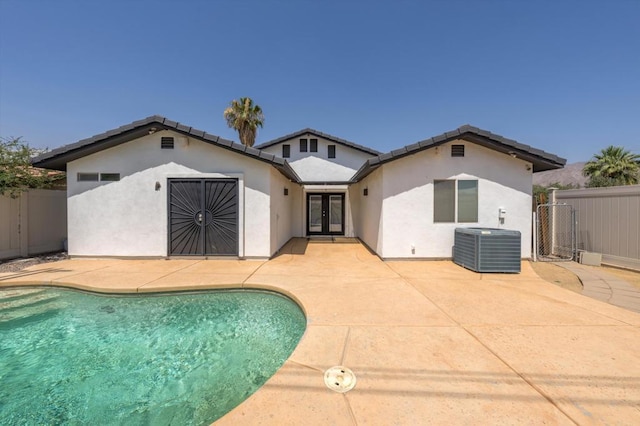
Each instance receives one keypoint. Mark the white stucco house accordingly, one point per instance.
(158, 188)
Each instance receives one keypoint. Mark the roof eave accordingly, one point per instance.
(539, 159)
(57, 159)
(367, 168)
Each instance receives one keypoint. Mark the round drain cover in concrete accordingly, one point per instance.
(339, 379)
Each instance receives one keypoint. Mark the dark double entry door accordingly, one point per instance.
(325, 214)
(203, 217)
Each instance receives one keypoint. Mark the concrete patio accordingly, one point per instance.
(429, 342)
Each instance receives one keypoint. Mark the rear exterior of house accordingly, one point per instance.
(157, 188)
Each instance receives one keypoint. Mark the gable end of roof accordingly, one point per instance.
(540, 159)
(309, 131)
(58, 158)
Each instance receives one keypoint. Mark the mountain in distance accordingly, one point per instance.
(570, 174)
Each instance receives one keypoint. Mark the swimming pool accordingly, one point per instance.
(81, 358)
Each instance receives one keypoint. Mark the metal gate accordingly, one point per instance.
(203, 217)
(556, 232)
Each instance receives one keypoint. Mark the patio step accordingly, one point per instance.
(18, 293)
(16, 301)
(18, 306)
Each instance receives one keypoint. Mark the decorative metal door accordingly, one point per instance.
(203, 217)
(325, 214)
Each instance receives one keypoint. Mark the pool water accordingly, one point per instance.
(70, 357)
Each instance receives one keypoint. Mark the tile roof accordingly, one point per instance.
(541, 160)
(58, 158)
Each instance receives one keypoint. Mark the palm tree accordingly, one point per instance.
(613, 165)
(245, 117)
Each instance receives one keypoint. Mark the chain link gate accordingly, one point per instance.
(556, 232)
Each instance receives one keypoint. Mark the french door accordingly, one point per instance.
(325, 214)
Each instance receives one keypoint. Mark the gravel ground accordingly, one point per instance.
(16, 265)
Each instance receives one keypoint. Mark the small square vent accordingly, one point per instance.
(457, 150)
(166, 142)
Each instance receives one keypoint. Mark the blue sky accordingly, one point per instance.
(563, 76)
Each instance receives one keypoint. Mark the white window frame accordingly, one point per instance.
(456, 200)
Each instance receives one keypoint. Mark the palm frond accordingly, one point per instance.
(245, 117)
(614, 164)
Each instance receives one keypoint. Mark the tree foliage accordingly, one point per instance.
(613, 166)
(602, 182)
(541, 193)
(16, 172)
(245, 117)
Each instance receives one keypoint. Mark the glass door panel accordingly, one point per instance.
(335, 213)
(315, 213)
